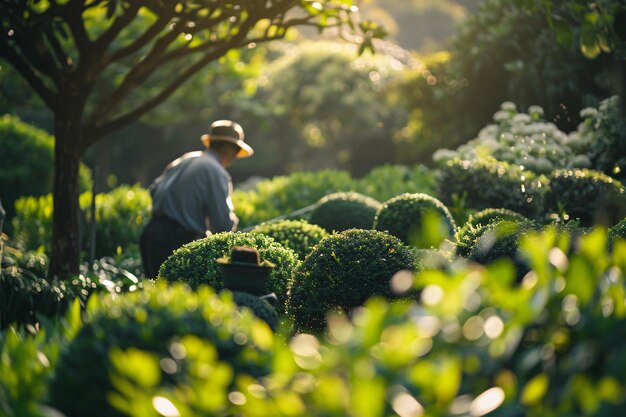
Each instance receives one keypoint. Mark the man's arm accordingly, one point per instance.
(220, 208)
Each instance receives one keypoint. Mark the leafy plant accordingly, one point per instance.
(408, 216)
(121, 215)
(259, 307)
(500, 240)
(298, 235)
(343, 271)
(153, 320)
(590, 196)
(347, 210)
(487, 183)
(195, 263)
(466, 235)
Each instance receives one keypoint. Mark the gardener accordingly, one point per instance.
(192, 197)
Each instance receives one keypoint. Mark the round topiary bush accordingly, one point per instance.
(501, 240)
(195, 263)
(261, 308)
(495, 214)
(297, 235)
(466, 235)
(404, 217)
(153, 320)
(584, 194)
(347, 210)
(343, 271)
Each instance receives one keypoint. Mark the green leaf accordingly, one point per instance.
(535, 390)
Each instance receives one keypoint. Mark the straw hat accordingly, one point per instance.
(228, 131)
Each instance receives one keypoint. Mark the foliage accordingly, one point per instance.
(522, 139)
(281, 195)
(121, 215)
(588, 195)
(297, 235)
(27, 296)
(260, 308)
(345, 210)
(594, 27)
(410, 217)
(387, 181)
(500, 53)
(617, 231)
(155, 321)
(493, 347)
(26, 162)
(486, 183)
(550, 346)
(500, 240)
(601, 135)
(342, 272)
(468, 233)
(330, 109)
(195, 263)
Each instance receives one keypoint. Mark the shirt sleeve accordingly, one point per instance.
(221, 212)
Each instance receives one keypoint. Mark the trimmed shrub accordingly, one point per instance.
(154, 320)
(347, 210)
(297, 235)
(195, 263)
(261, 308)
(588, 195)
(417, 219)
(282, 195)
(486, 183)
(500, 240)
(495, 214)
(343, 271)
(467, 234)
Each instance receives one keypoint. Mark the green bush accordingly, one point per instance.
(591, 196)
(387, 181)
(261, 308)
(602, 136)
(282, 195)
(121, 215)
(27, 162)
(343, 271)
(195, 263)
(417, 219)
(466, 235)
(618, 231)
(297, 235)
(486, 183)
(153, 320)
(501, 240)
(342, 211)
(494, 214)
(27, 296)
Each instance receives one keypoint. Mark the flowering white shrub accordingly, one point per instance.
(523, 139)
(601, 136)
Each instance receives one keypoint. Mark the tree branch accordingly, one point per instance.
(30, 75)
(103, 42)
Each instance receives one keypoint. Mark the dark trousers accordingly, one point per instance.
(159, 239)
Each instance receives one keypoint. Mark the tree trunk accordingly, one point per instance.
(65, 257)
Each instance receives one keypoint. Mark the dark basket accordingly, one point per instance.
(245, 278)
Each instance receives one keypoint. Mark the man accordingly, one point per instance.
(192, 197)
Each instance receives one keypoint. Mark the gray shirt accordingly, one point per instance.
(195, 190)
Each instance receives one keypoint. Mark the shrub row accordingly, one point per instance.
(551, 346)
